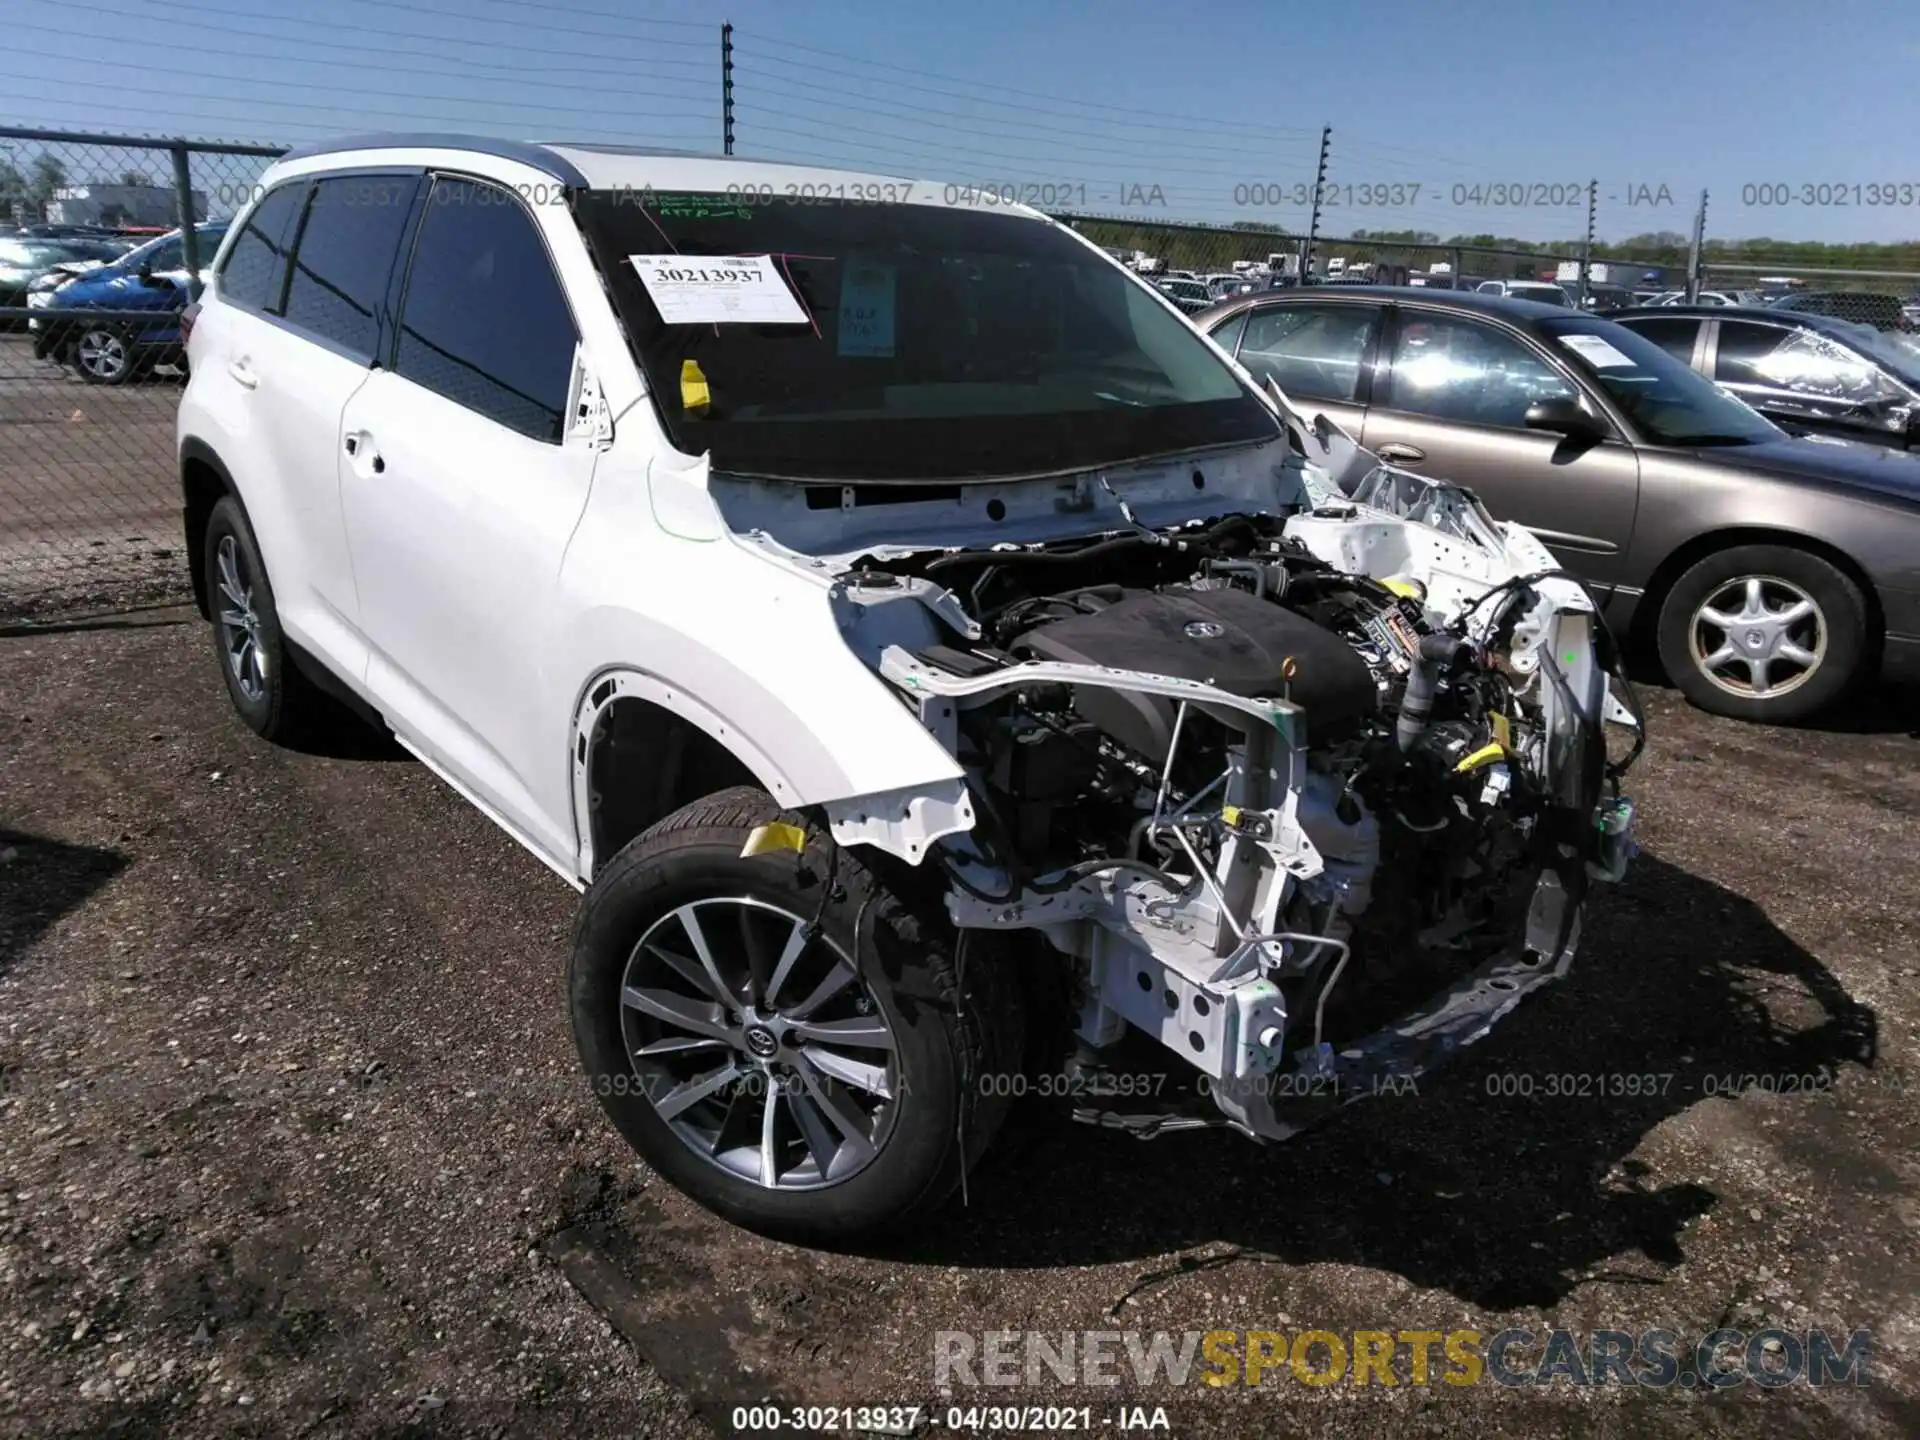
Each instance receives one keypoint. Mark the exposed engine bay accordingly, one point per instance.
(1310, 797)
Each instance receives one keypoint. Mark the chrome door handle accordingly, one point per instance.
(243, 374)
(1404, 454)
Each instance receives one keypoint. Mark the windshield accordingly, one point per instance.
(928, 342)
(1668, 403)
(166, 252)
(1543, 293)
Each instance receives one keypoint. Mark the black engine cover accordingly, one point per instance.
(1227, 638)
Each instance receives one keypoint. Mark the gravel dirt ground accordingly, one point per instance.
(291, 1139)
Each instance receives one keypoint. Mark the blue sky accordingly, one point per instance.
(1218, 104)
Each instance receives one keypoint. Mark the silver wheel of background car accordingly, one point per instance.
(753, 1036)
(1758, 636)
(239, 622)
(103, 355)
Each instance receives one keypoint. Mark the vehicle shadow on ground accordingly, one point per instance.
(40, 881)
(339, 733)
(1502, 1198)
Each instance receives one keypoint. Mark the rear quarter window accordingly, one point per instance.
(254, 273)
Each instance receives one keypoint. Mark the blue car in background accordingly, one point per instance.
(153, 277)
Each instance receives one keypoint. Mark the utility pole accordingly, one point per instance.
(1586, 250)
(1696, 253)
(1313, 225)
(726, 88)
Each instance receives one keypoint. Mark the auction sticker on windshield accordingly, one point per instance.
(1596, 351)
(718, 290)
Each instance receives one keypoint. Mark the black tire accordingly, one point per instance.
(1836, 634)
(956, 1027)
(274, 699)
(103, 355)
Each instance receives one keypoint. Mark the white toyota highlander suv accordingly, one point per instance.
(946, 673)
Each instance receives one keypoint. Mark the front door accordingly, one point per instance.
(1450, 405)
(462, 487)
(1318, 354)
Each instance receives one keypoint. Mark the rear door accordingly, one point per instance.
(1320, 354)
(1811, 381)
(302, 294)
(462, 485)
(1681, 336)
(1449, 403)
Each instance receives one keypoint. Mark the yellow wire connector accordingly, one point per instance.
(771, 839)
(695, 397)
(1485, 755)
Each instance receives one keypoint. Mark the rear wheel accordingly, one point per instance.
(268, 693)
(1764, 632)
(808, 1080)
(103, 356)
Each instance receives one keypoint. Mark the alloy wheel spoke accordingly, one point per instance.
(868, 1032)
(1796, 653)
(1799, 610)
(696, 1016)
(861, 1074)
(789, 957)
(1719, 619)
(694, 973)
(690, 922)
(691, 1092)
(845, 1116)
(836, 979)
(769, 1160)
(1760, 669)
(1756, 598)
(1724, 655)
(678, 1044)
(813, 1130)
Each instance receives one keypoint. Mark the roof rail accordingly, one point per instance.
(537, 156)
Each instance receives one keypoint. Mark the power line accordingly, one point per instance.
(601, 110)
(944, 120)
(332, 29)
(546, 25)
(176, 97)
(545, 11)
(1211, 147)
(1136, 159)
(1126, 112)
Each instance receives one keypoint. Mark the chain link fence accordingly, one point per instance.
(97, 261)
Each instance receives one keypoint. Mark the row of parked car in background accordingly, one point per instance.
(68, 274)
(1731, 478)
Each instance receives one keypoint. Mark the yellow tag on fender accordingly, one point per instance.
(694, 394)
(769, 839)
(1502, 732)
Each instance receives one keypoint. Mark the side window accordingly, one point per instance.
(1227, 336)
(1312, 351)
(1802, 363)
(344, 257)
(1675, 336)
(254, 273)
(485, 322)
(1464, 371)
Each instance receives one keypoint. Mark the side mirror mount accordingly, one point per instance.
(1563, 416)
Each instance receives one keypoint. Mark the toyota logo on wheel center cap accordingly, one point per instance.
(761, 1041)
(1205, 630)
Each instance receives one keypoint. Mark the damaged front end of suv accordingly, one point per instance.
(1311, 796)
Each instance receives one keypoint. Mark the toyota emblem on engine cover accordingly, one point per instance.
(1205, 630)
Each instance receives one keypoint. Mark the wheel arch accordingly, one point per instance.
(640, 749)
(1666, 574)
(204, 482)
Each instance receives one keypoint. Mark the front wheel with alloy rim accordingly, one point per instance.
(267, 692)
(787, 1038)
(1764, 632)
(103, 356)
